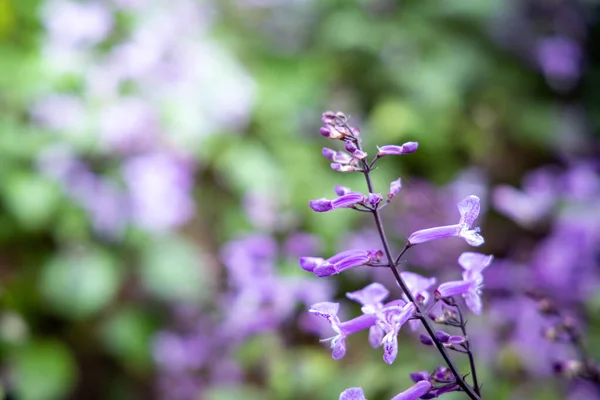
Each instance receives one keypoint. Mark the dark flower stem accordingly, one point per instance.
(463, 328)
(421, 315)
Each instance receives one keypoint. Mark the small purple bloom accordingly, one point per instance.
(329, 311)
(406, 148)
(328, 153)
(341, 190)
(469, 210)
(373, 199)
(414, 392)
(355, 393)
(395, 187)
(419, 287)
(470, 286)
(394, 318)
(426, 340)
(447, 339)
(339, 262)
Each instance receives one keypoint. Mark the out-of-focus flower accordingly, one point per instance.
(469, 211)
(160, 190)
(533, 203)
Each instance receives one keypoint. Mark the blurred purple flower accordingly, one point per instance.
(74, 24)
(160, 191)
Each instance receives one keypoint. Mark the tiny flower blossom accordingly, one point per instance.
(419, 287)
(341, 190)
(395, 317)
(470, 286)
(329, 311)
(347, 200)
(343, 167)
(371, 298)
(414, 392)
(395, 187)
(340, 262)
(406, 148)
(469, 210)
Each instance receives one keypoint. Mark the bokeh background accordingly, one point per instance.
(157, 158)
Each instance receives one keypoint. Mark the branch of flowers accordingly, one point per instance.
(392, 265)
(463, 328)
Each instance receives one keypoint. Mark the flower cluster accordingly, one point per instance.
(382, 317)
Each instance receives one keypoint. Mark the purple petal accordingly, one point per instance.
(348, 200)
(325, 310)
(310, 263)
(342, 190)
(455, 288)
(469, 210)
(414, 392)
(476, 262)
(472, 236)
(440, 232)
(374, 199)
(325, 269)
(390, 348)
(473, 301)
(374, 293)
(321, 205)
(338, 347)
(406, 148)
(375, 336)
(352, 394)
(395, 187)
(328, 153)
(420, 376)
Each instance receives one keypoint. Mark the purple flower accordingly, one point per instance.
(371, 298)
(347, 200)
(469, 210)
(329, 311)
(340, 262)
(470, 286)
(341, 190)
(160, 187)
(394, 318)
(355, 393)
(418, 286)
(395, 187)
(414, 392)
(406, 148)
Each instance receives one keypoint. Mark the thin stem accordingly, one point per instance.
(463, 328)
(392, 265)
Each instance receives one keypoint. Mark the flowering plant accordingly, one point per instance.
(385, 319)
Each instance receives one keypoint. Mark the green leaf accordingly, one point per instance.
(80, 284)
(173, 270)
(43, 370)
(127, 334)
(31, 198)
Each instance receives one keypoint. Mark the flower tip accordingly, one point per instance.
(410, 147)
(321, 205)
